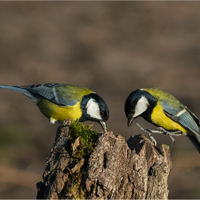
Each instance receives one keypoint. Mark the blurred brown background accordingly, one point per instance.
(112, 48)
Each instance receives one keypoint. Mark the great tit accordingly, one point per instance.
(65, 101)
(165, 111)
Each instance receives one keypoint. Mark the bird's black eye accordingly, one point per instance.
(132, 112)
(103, 113)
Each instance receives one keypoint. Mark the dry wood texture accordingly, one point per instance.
(116, 169)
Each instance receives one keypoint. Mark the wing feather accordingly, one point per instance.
(52, 93)
(185, 118)
(194, 116)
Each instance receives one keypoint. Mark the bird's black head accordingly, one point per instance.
(137, 103)
(94, 108)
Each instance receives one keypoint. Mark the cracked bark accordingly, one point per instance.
(116, 169)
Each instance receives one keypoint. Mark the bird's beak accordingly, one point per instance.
(130, 120)
(103, 124)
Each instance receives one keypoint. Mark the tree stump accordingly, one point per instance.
(116, 169)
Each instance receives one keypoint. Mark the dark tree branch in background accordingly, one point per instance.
(116, 169)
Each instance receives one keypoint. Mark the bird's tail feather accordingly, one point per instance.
(20, 90)
(195, 141)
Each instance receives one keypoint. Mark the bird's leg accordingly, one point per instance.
(172, 139)
(160, 130)
(174, 133)
(149, 133)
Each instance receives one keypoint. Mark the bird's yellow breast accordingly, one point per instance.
(59, 113)
(159, 118)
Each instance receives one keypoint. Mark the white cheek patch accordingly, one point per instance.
(141, 106)
(93, 109)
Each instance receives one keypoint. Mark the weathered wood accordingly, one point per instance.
(116, 169)
(55, 178)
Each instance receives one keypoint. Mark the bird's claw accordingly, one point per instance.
(175, 133)
(173, 140)
(151, 137)
(149, 133)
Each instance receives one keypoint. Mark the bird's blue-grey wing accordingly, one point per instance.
(194, 116)
(50, 92)
(187, 119)
(182, 116)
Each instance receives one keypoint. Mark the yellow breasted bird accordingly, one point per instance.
(65, 101)
(165, 111)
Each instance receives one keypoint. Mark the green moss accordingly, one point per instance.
(87, 137)
(76, 191)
